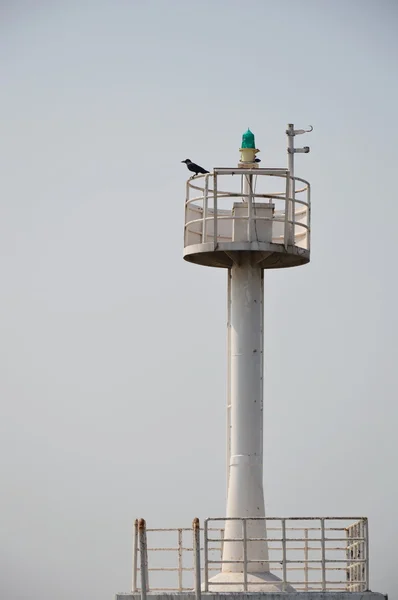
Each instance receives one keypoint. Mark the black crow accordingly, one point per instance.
(196, 169)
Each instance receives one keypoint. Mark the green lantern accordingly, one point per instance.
(248, 140)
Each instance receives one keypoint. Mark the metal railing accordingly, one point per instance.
(206, 221)
(308, 554)
(177, 566)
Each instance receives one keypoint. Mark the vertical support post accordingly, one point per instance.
(206, 556)
(284, 557)
(186, 212)
(248, 196)
(309, 217)
(196, 556)
(361, 556)
(286, 226)
(179, 560)
(205, 208)
(135, 556)
(292, 187)
(348, 564)
(143, 558)
(323, 554)
(306, 560)
(215, 212)
(366, 534)
(244, 532)
(357, 555)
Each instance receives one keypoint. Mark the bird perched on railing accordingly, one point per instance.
(196, 169)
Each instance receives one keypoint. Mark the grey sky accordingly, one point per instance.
(113, 350)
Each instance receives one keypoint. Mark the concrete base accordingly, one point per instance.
(257, 582)
(259, 596)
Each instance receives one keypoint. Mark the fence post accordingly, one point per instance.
(143, 558)
(180, 566)
(215, 208)
(205, 208)
(135, 556)
(306, 559)
(284, 558)
(323, 551)
(206, 556)
(309, 217)
(366, 534)
(186, 214)
(196, 556)
(286, 226)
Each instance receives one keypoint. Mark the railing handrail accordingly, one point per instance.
(283, 174)
(289, 216)
(355, 562)
(237, 195)
(229, 194)
(358, 519)
(246, 218)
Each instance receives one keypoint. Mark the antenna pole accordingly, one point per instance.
(291, 150)
(292, 191)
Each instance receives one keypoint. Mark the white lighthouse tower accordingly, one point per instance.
(248, 219)
(248, 235)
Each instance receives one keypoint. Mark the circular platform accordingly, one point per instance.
(226, 216)
(265, 254)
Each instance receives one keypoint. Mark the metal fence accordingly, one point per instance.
(209, 214)
(309, 554)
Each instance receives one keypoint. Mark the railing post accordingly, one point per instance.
(309, 217)
(215, 212)
(366, 535)
(323, 554)
(293, 184)
(244, 531)
(361, 557)
(286, 229)
(180, 560)
(186, 212)
(206, 556)
(205, 208)
(284, 565)
(347, 553)
(196, 557)
(135, 556)
(143, 558)
(306, 559)
(357, 556)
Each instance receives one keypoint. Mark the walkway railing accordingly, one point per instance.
(310, 554)
(209, 215)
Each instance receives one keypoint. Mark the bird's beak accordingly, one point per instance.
(183, 161)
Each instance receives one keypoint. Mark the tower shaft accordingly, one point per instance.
(245, 481)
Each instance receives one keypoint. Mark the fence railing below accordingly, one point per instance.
(309, 554)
